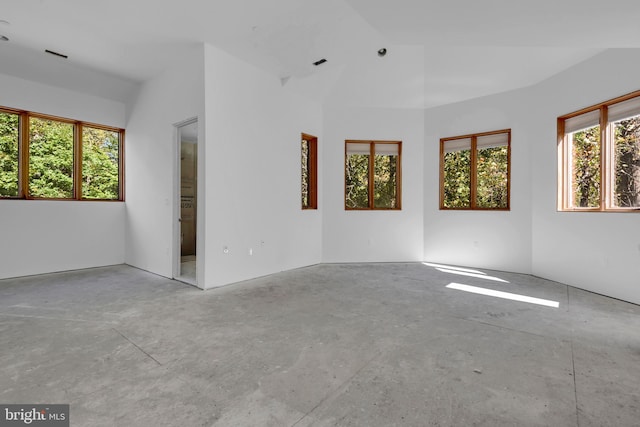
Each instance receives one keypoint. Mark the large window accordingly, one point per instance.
(309, 167)
(475, 171)
(44, 157)
(599, 157)
(372, 174)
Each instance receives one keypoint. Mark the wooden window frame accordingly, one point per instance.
(371, 181)
(607, 147)
(24, 151)
(473, 184)
(312, 170)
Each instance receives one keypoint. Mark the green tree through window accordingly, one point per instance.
(599, 157)
(50, 158)
(475, 171)
(100, 159)
(62, 158)
(372, 175)
(9, 160)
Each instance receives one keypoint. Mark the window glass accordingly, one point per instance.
(385, 181)
(457, 173)
(585, 155)
(599, 157)
(9, 159)
(309, 161)
(304, 154)
(493, 177)
(100, 160)
(50, 158)
(627, 163)
(475, 171)
(357, 180)
(372, 175)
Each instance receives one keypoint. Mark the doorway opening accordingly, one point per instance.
(187, 201)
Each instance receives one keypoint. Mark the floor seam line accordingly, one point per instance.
(62, 319)
(507, 329)
(573, 363)
(328, 396)
(137, 346)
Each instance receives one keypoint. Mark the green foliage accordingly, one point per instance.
(357, 181)
(9, 128)
(586, 167)
(492, 183)
(99, 163)
(304, 157)
(457, 179)
(385, 181)
(50, 158)
(627, 162)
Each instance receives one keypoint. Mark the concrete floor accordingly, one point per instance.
(328, 345)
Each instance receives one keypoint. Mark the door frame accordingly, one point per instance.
(177, 200)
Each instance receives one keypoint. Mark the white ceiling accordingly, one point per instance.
(439, 52)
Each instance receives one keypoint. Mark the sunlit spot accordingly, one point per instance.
(504, 295)
(480, 276)
(451, 267)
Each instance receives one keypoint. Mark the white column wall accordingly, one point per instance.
(39, 236)
(373, 236)
(173, 96)
(599, 252)
(499, 240)
(254, 124)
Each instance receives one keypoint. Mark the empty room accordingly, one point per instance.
(336, 213)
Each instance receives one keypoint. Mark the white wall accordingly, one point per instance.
(48, 236)
(253, 173)
(151, 169)
(599, 252)
(496, 240)
(373, 236)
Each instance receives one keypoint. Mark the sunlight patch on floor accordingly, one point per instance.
(464, 272)
(504, 295)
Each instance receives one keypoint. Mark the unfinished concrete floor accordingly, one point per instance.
(328, 345)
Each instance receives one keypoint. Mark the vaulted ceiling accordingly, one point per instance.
(439, 52)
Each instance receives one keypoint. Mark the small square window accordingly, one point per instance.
(372, 175)
(475, 171)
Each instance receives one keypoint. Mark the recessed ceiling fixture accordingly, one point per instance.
(320, 62)
(56, 54)
(382, 52)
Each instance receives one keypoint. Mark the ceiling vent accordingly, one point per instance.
(56, 54)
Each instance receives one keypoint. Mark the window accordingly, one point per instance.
(309, 160)
(50, 158)
(44, 157)
(475, 171)
(9, 154)
(599, 157)
(372, 175)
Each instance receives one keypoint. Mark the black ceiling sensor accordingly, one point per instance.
(382, 52)
(56, 54)
(320, 62)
